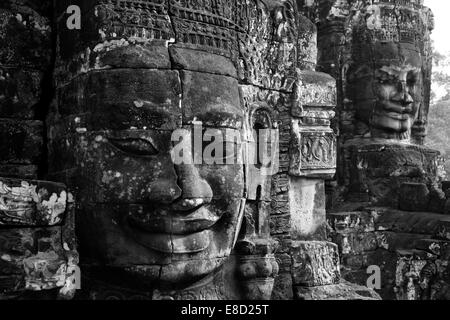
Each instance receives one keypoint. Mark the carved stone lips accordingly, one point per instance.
(173, 244)
(174, 231)
(398, 116)
(398, 111)
(162, 221)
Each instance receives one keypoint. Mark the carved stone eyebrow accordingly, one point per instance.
(395, 70)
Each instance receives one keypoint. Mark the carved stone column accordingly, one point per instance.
(25, 80)
(38, 257)
(257, 268)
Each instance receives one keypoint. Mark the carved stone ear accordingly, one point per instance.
(261, 124)
(356, 72)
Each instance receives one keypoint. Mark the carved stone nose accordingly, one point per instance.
(402, 86)
(407, 98)
(403, 95)
(193, 186)
(164, 191)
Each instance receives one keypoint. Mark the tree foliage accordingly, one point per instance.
(439, 116)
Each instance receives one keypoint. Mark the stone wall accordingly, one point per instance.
(148, 228)
(38, 257)
(387, 205)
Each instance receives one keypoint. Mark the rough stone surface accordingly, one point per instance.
(142, 78)
(378, 171)
(37, 241)
(414, 197)
(307, 208)
(342, 291)
(315, 263)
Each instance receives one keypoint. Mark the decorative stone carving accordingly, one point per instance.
(378, 170)
(222, 67)
(140, 81)
(193, 56)
(313, 153)
(257, 268)
(315, 263)
(38, 251)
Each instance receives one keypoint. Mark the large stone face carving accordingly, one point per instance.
(387, 208)
(119, 124)
(387, 98)
(380, 52)
(195, 137)
(141, 79)
(385, 75)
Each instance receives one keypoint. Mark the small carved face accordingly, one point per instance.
(388, 98)
(396, 89)
(140, 210)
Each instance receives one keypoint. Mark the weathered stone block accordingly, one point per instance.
(19, 171)
(312, 152)
(21, 142)
(20, 93)
(440, 248)
(211, 99)
(342, 291)
(283, 289)
(348, 222)
(32, 203)
(307, 43)
(307, 208)
(25, 38)
(199, 61)
(268, 59)
(314, 89)
(35, 254)
(280, 224)
(98, 46)
(414, 197)
(130, 54)
(424, 223)
(122, 100)
(315, 263)
(379, 170)
(356, 243)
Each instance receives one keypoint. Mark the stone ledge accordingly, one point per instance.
(341, 291)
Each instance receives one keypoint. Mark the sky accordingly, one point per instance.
(441, 33)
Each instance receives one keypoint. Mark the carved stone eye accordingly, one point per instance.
(412, 78)
(140, 147)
